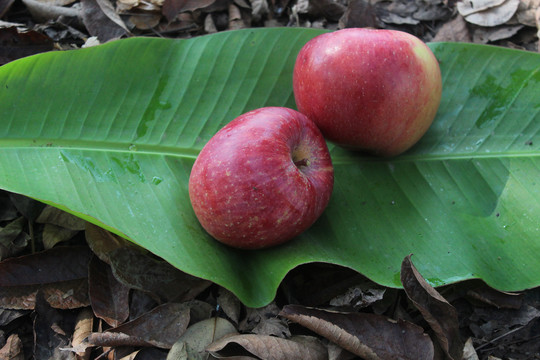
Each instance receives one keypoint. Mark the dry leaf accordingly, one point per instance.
(44, 12)
(67, 294)
(268, 348)
(12, 237)
(83, 328)
(199, 335)
(336, 352)
(499, 299)
(359, 13)
(61, 273)
(62, 295)
(468, 7)
(50, 331)
(369, 336)
(526, 12)
(103, 242)
(139, 269)
(494, 16)
(15, 44)
(468, 351)
(55, 216)
(101, 20)
(8, 315)
(440, 315)
(264, 321)
(109, 297)
(12, 349)
(49, 266)
(484, 35)
(235, 18)
(230, 304)
(160, 327)
(358, 297)
(145, 21)
(454, 30)
(53, 234)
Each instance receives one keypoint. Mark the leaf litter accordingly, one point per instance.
(114, 300)
(95, 295)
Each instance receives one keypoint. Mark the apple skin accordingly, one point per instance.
(262, 179)
(367, 89)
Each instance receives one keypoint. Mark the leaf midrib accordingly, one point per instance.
(191, 153)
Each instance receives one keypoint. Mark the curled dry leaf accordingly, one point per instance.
(12, 237)
(12, 349)
(468, 351)
(230, 304)
(55, 216)
(492, 16)
(53, 234)
(473, 6)
(199, 335)
(264, 321)
(103, 242)
(454, 30)
(268, 347)
(526, 12)
(440, 315)
(369, 336)
(101, 20)
(83, 328)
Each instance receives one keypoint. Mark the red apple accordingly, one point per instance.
(367, 89)
(262, 179)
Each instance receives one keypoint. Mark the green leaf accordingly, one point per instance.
(110, 134)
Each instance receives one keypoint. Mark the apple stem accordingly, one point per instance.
(303, 162)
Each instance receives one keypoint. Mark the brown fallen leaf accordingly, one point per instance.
(15, 45)
(230, 304)
(526, 12)
(109, 339)
(139, 269)
(439, 314)
(200, 335)
(264, 321)
(499, 299)
(102, 21)
(8, 315)
(468, 351)
(55, 216)
(53, 235)
(83, 328)
(51, 330)
(61, 295)
(71, 294)
(12, 349)
(489, 16)
(109, 297)
(454, 30)
(160, 327)
(12, 238)
(49, 266)
(369, 336)
(268, 347)
(359, 13)
(235, 18)
(103, 242)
